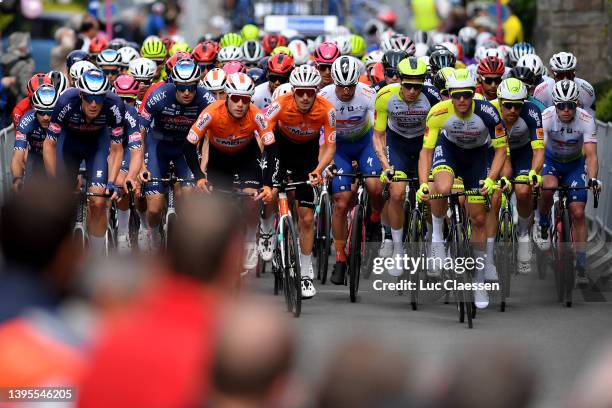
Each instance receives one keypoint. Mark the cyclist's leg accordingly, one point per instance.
(369, 164)
(521, 164)
(491, 223)
(577, 199)
(443, 171)
(97, 172)
(341, 193)
(551, 173)
(123, 211)
(157, 165)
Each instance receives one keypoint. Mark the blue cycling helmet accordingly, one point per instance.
(93, 82)
(257, 75)
(75, 56)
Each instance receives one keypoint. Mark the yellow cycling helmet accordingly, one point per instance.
(412, 70)
(231, 39)
(180, 46)
(153, 49)
(358, 46)
(250, 32)
(282, 50)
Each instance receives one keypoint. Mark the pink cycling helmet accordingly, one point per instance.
(326, 53)
(126, 86)
(233, 67)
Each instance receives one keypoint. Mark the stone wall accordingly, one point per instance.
(578, 26)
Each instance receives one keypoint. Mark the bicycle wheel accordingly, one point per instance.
(80, 238)
(354, 261)
(416, 243)
(568, 259)
(504, 257)
(169, 228)
(293, 277)
(323, 238)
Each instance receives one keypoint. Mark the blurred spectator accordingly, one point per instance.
(364, 374)
(489, 375)
(66, 40)
(593, 389)
(88, 29)
(254, 355)
(156, 23)
(41, 260)
(153, 355)
(6, 82)
(425, 14)
(17, 62)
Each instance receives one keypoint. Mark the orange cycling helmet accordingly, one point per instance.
(205, 52)
(271, 41)
(97, 45)
(280, 64)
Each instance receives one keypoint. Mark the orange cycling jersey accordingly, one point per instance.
(226, 133)
(300, 127)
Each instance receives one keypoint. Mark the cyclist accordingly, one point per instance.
(563, 66)
(229, 127)
(166, 117)
(571, 141)
(109, 61)
(155, 50)
(215, 83)
(128, 54)
(390, 61)
(523, 122)
(87, 125)
(126, 87)
(441, 59)
(354, 104)
(77, 69)
(143, 71)
(527, 77)
(469, 125)
(401, 110)
(490, 71)
(252, 52)
(30, 135)
(24, 105)
(297, 119)
(324, 56)
(59, 80)
(279, 69)
(205, 55)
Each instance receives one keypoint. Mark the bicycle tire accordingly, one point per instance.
(169, 228)
(79, 237)
(323, 239)
(416, 241)
(354, 261)
(293, 276)
(505, 257)
(568, 258)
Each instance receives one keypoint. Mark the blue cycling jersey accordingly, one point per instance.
(164, 118)
(29, 132)
(68, 118)
(131, 128)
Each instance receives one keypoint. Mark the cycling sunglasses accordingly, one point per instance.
(98, 99)
(492, 80)
(517, 105)
(391, 73)
(111, 71)
(411, 85)
(324, 67)
(44, 113)
(310, 92)
(566, 105)
(278, 78)
(565, 75)
(462, 94)
(144, 82)
(186, 88)
(206, 67)
(237, 98)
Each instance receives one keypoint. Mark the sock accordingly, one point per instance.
(340, 255)
(123, 221)
(267, 224)
(397, 235)
(155, 237)
(580, 259)
(144, 224)
(96, 245)
(388, 235)
(490, 249)
(523, 226)
(251, 234)
(305, 263)
(437, 226)
(479, 275)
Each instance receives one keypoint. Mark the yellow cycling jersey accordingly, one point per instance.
(482, 125)
(526, 129)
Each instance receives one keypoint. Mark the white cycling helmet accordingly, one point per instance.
(344, 44)
(44, 98)
(460, 78)
(93, 82)
(467, 34)
(422, 37)
(452, 48)
(512, 89)
(520, 49)
(128, 54)
(300, 52)
(185, 71)
(533, 62)
(345, 71)
(108, 57)
(505, 50)
(214, 80)
(282, 90)
(404, 43)
(77, 69)
(312, 45)
(252, 51)
(563, 61)
(305, 76)
(373, 57)
(494, 52)
(142, 68)
(239, 84)
(420, 50)
(60, 82)
(230, 53)
(565, 91)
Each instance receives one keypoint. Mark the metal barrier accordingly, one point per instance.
(7, 141)
(601, 217)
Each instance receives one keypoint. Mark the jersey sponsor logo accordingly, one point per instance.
(178, 120)
(154, 99)
(192, 137)
(117, 113)
(25, 120)
(381, 93)
(203, 121)
(587, 88)
(64, 111)
(135, 137)
(535, 116)
(261, 121)
(540, 133)
(131, 120)
(55, 128)
(20, 136)
(488, 108)
(272, 110)
(499, 130)
(439, 111)
(116, 132)
(267, 138)
(231, 141)
(332, 117)
(332, 137)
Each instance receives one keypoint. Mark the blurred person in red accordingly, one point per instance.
(24, 105)
(39, 343)
(152, 355)
(255, 352)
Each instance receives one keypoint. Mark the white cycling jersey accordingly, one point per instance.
(564, 141)
(586, 98)
(262, 97)
(354, 119)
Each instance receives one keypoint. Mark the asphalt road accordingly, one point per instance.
(559, 340)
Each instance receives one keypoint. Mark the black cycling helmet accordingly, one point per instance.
(75, 56)
(257, 75)
(441, 59)
(393, 57)
(524, 74)
(435, 47)
(263, 64)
